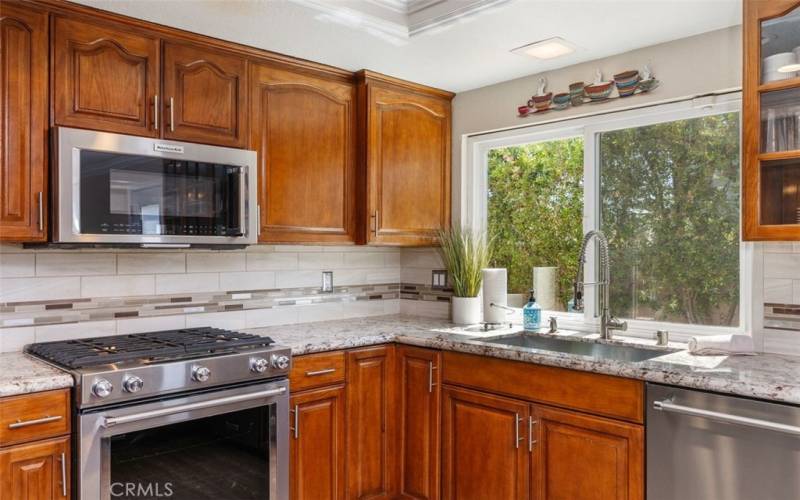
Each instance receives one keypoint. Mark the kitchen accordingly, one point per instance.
(310, 249)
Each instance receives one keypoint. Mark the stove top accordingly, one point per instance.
(167, 345)
(122, 368)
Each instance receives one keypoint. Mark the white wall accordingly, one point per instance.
(696, 65)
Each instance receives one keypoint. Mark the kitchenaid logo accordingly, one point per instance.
(142, 490)
(168, 148)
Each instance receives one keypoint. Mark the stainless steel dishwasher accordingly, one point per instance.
(705, 446)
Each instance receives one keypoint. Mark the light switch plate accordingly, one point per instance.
(327, 281)
(438, 278)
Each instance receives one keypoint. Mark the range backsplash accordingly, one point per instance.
(51, 294)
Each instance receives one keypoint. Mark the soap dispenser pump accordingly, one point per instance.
(532, 313)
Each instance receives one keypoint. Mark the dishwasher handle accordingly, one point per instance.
(668, 406)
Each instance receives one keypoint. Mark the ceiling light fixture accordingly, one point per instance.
(546, 49)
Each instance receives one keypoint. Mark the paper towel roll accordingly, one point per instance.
(495, 288)
(544, 283)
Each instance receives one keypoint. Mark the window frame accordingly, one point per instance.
(474, 206)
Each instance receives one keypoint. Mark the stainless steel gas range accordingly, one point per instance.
(190, 414)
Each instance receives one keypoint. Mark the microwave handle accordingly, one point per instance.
(243, 201)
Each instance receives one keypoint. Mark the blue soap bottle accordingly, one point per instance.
(531, 314)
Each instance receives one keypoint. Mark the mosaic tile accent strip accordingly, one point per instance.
(14, 314)
(410, 291)
(782, 316)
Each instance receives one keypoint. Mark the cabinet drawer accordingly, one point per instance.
(34, 416)
(316, 370)
(595, 393)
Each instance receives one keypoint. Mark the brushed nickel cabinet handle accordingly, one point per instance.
(431, 383)
(155, 112)
(40, 203)
(63, 475)
(375, 223)
(37, 421)
(320, 372)
(296, 424)
(531, 441)
(258, 219)
(517, 437)
(172, 114)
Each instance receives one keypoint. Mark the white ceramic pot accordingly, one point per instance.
(466, 310)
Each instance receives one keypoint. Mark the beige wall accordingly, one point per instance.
(690, 66)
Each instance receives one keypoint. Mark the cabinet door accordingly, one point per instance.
(408, 166)
(303, 128)
(317, 445)
(418, 432)
(581, 456)
(204, 94)
(35, 471)
(370, 420)
(105, 78)
(23, 141)
(484, 446)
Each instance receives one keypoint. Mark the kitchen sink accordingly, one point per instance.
(580, 348)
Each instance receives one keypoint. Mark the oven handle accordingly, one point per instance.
(135, 417)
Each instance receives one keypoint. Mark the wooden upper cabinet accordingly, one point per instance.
(419, 392)
(485, 450)
(317, 444)
(204, 95)
(371, 418)
(407, 158)
(23, 138)
(303, 127)
(771, 144)
(581, 456)
(105, 78)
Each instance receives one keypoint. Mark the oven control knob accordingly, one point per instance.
(133, 384)
(201, 373)
(259, 365)
(280, 362)
(102, 388)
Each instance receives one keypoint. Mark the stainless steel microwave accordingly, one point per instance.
(125, 190)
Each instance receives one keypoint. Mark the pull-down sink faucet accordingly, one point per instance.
(608, 323)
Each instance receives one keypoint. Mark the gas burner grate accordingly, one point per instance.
(165, 345)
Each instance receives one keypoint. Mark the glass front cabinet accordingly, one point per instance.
(771, 120)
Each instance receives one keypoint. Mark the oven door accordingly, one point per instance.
(216, 445)
(121, 189)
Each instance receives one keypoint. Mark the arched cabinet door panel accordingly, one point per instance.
(23, 151)
(204, 95)
(303, 127)
(407, 163)
(105, 78)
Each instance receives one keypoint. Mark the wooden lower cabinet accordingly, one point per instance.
(317, 444)
(585, 457)
(419, 393)
(484, 446)
(370, 420)
(36, 471)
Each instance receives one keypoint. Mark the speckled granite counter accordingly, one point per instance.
(21, 374)
(766, 376)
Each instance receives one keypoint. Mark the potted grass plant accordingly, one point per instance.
(465, 253)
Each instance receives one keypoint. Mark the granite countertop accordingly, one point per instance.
(765, 376)
(22, 374)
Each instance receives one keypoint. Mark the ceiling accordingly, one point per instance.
(457, 53)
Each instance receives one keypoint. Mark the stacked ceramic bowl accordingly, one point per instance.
(626, 82)
(599, 91)
(771, 66)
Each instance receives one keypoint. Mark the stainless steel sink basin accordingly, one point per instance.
(590, 349)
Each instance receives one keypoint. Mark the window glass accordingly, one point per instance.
(535, 216)
(669, 196)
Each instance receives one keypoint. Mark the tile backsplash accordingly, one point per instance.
(781, 297)
(52, 294)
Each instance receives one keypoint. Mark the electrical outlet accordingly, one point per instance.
(438, 278)
(327, 281)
